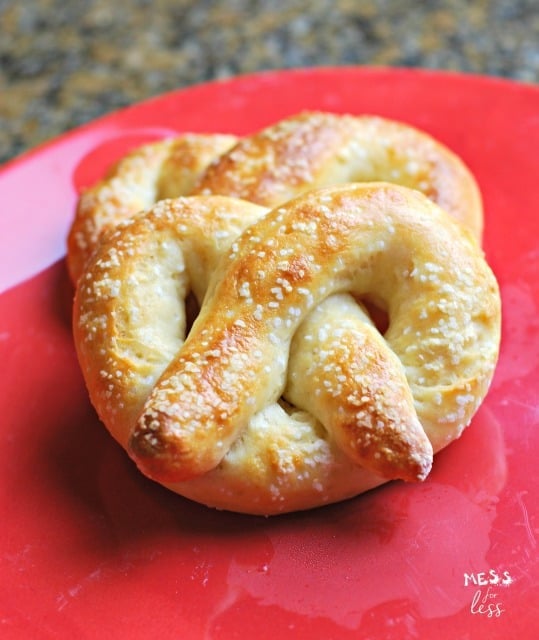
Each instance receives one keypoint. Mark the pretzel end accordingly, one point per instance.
(410, 459)
(161, 453)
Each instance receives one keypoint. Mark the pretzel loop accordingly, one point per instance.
(315, 149)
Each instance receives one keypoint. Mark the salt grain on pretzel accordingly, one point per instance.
(164, 169)
(212, 418)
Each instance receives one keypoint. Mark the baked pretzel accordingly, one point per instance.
(316, 149)
(273, 403)
(165, 169)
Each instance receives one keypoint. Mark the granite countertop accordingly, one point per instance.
(65, 62)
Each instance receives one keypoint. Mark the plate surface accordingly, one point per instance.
(91, 549)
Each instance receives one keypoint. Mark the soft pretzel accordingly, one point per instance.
(317, 149)
(165, 169)
(268, 406)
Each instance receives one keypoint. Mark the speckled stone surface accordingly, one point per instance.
(66, 62)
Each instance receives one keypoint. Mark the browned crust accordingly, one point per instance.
(317, 149)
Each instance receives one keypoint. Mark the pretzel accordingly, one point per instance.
(164, 169)
(317, 149)
(266, 408)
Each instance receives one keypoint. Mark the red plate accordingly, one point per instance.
(91, 549)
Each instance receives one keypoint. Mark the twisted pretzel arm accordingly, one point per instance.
(165, 169)
(442, 301)
(317, 149)
(129, 311)
(341, 370)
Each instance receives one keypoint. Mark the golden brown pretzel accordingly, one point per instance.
(317, 149)
(209, 422)
(164, 169)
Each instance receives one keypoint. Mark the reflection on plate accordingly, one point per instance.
(90, 547)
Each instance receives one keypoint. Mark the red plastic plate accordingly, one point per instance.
(91, 549)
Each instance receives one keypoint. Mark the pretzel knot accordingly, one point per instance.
(284, 395)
